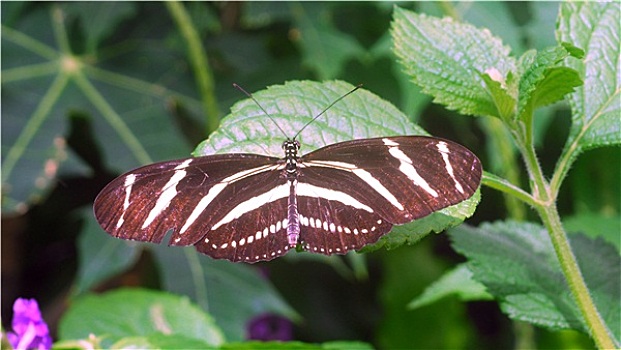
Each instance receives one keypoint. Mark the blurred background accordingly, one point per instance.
(62, 142)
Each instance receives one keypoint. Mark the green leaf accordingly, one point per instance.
(292, 105)
(137, 312)
(324, 48)
(437, 222)
(232, 293)
(542, 81)
(100, 256)
(596, 106)
(518, 265)
(43, 81)
(457, 281)
(296, 345)
(161, 341)
(448, 59)
(596, 225)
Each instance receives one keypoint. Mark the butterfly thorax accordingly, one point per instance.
(291, 148)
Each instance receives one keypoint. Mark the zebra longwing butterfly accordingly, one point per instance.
(250, 207)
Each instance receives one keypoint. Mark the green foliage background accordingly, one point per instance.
(93, 89)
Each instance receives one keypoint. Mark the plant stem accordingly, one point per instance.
(571, 270)
(503, 185)
(545, 205)
(200, 64)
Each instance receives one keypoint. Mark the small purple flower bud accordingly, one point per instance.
(29, 329)
(270, 327)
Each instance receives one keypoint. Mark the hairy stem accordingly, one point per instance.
(571, 270)
(545, 204)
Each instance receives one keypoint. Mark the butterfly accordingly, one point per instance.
(251, 207)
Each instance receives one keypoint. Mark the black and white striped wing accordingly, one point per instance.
(196, 198)
(240, 206)
(386, 181)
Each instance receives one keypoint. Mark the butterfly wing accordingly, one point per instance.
(235, 206)
(193, 197)
(390, 180)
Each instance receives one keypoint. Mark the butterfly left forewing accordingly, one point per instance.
(187, 196)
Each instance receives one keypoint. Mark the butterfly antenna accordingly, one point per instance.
(258, 104)
(325, 109)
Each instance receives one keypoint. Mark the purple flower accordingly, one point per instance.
(270, 327)
(29, 329)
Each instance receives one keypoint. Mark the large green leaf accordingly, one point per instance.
(518, 265)
(448, 59)
(596, 106)
(46, 74)
(292, 105)
(137, 312)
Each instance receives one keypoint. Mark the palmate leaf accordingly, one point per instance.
(596, 106)
(44, 78)
(359, 115)
(518, 265)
